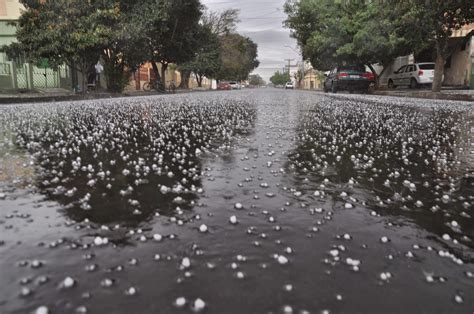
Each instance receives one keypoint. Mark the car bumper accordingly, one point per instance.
(353, 84)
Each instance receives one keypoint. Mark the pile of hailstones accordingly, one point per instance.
(123, 142)
(416, 160)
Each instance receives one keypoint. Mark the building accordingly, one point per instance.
(19, 74)
(313, 79)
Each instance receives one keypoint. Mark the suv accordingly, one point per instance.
(348, 77)
(412, 75)
(289, 85)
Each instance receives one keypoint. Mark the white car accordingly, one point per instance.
(289, 85)
(412, 75)
(235, 85)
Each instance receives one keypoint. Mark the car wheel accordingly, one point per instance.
(390, 84)
(413, 83)
(333, 88)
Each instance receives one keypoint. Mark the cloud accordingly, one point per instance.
(262, 21)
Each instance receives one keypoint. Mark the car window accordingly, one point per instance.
(401, 69)
(427, 66)
(411, 68)
(353, 68)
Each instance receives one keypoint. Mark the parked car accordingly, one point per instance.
(349, 77)
(412, 75)
(224, 86)
(235, 85)
(289, 85)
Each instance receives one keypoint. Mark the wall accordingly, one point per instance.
(458, 72)
(10, 9)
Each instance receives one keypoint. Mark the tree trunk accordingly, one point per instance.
(164, 66)
(155, 70)
(439, 71)
(185, 75)
(199, 80)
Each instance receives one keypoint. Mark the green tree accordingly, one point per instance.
(280, 78)
(238, 57)
(206, 61)
(256, 80)
(334, 32)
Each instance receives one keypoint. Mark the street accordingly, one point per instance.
(250, 201)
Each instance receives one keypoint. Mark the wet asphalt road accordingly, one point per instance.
(257, 201)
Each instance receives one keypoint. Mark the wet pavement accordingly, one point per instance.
(261, 201)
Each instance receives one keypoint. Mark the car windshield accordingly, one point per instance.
(427, 66)
(352, 68)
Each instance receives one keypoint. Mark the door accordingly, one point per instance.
(397, 76)
(409, 72)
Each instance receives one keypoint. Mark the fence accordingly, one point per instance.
(27, 76)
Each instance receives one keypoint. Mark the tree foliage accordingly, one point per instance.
(256, 80)
(280, 78)
(238, 57)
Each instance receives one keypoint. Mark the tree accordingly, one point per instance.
(256, 80)
(206, 61)
(167, 31)
(335, 32)
(238, 57)
(280, 78)
(221, 23)
(439, 20)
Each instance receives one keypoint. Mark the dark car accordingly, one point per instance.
(349, 77)
(224, 86)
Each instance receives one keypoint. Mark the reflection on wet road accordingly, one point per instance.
(261, 201)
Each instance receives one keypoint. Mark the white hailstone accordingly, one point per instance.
(288, 287)
(164, 189)
(445, 198)
(419, 204)
(287, 309)
(317, 193)
(180, 302)
(203, 228)
(131, 291)
(98, 241)
(233, 220)
(347, 236)
(157, 237)
(343, 194)
(143, 238)
(68, 282)
(348, 206)
(385, 276)
(170, 174)
(454, 224)
(198, 152)
(384, 239)
(446, 237)
(3, 196)
(238, 206)
(36, 264)
(240, 275)
(199, 305)
(282, 260)
(297, 194)
(185, 263)
(334, 253)
(42, 310)
(429, 278)
(458, 299)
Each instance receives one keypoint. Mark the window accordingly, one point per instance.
(410, 68)
(427, 66)
(401, 70)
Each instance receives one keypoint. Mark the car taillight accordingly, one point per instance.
(420, 73)
(343, 74)
(368, 75)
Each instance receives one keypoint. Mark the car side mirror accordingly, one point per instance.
(326, 75)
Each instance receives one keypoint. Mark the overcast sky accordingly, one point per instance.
(262, 21)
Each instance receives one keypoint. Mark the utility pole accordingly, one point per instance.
(289, 65)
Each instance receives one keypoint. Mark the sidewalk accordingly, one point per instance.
(53, 95)
(447, 94)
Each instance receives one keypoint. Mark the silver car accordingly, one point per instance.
(412, 75)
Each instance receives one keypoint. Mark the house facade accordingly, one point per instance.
(18, 74)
